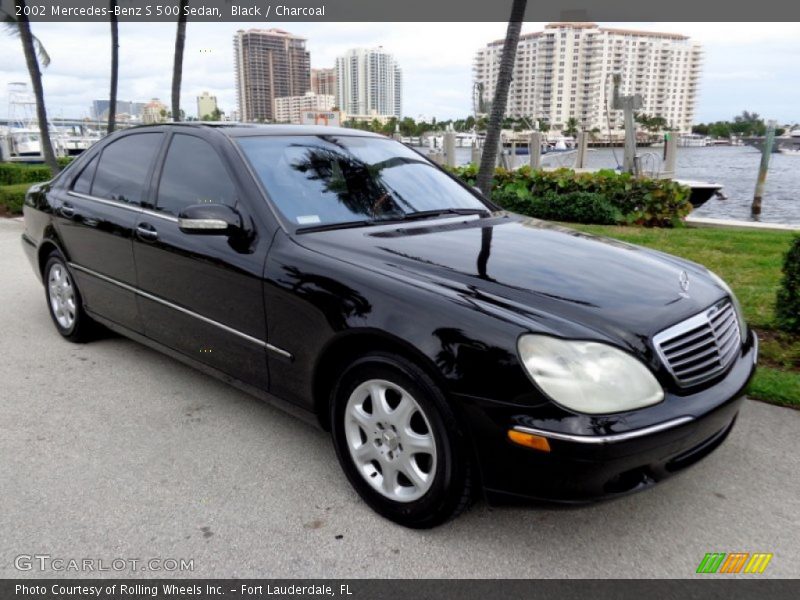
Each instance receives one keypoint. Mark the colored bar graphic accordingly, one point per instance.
(734, 562)
(711, 562)
(720, 562)
(758, 563)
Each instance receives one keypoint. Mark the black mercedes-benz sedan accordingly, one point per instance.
(451, 348)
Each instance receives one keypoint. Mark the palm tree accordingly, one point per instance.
(504, 77)
(112, 96)
(34, 53)
(571, 127)
(177, 69)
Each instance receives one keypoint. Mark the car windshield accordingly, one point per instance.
(324, 181)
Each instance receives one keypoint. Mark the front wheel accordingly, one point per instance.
(399, 442)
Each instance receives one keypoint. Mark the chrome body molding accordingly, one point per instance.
(280, 351)
(606, 439)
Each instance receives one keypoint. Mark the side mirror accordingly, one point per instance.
(209, 219)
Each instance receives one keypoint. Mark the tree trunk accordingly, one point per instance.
(36, 82)
(112, 95)
(177, 71)
(504, 76)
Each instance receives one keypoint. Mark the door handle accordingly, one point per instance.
(67, 210)
(146, 232)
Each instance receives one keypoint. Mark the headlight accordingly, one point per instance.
(588, 377)
(736, 306)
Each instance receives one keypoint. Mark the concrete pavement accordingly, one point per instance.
(110, 450)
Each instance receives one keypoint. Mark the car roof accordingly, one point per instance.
(257, 129)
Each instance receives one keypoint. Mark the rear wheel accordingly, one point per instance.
(64, 301)
(399, 443)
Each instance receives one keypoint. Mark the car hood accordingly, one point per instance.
(568, 282)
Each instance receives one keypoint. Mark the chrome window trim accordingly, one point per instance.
(185, 311)
(118, 204)
(606, 439)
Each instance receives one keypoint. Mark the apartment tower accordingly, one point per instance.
(565, 72)
(369, 82)
(270, 63)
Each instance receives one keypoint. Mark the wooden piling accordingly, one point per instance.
(581, 145)
(766, 150)
(450, 148)
(535, 149)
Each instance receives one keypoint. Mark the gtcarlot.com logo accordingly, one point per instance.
(734, 562)
(46, 562)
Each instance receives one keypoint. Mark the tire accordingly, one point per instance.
(64, 301)
(405, 455)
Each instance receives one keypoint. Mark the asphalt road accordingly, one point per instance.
(110, 450)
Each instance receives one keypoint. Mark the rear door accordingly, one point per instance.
(95, 221)
(201, 294)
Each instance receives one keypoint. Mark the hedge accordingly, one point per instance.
(13, 173)
(787, 307)
(602, 197)
(12, 197)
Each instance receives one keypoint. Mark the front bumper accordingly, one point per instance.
(583, 466)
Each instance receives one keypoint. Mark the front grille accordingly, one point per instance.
(702, 346)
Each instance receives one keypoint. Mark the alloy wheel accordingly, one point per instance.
(390, 440)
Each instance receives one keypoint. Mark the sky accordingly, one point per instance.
(748, 66)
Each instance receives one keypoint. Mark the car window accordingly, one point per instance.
(193, 174)
(321, 180)
(83, 183)
(124, 164)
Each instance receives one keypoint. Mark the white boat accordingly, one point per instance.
(789, 151)
(692, 140)
(24, 142)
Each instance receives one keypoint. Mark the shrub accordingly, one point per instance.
(787, 307)
(573, 207)
(13, 173)
(638, 200)
(12, 197)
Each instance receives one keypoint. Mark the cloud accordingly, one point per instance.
(747, 65)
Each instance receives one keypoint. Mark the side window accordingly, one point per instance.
(122, 171)
(83, 183)
(193, 174)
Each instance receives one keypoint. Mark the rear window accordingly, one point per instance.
(124, 167)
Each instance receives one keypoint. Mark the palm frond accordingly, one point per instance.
(11, 24)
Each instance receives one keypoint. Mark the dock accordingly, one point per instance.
(693, 221)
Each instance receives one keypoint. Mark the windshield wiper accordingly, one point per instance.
(337, 225)
(420, 214)
(438, 212)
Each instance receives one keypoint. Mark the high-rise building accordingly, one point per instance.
(206, 105)
(270, 63)
(99, 109)
(290, 109)
(369, 82)
(323, 81)
(565, 72)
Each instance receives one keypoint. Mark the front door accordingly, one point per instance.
(201, 294)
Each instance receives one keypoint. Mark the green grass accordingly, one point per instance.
(776, 386)
(751, 262)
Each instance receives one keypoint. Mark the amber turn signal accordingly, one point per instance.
(529, 440)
